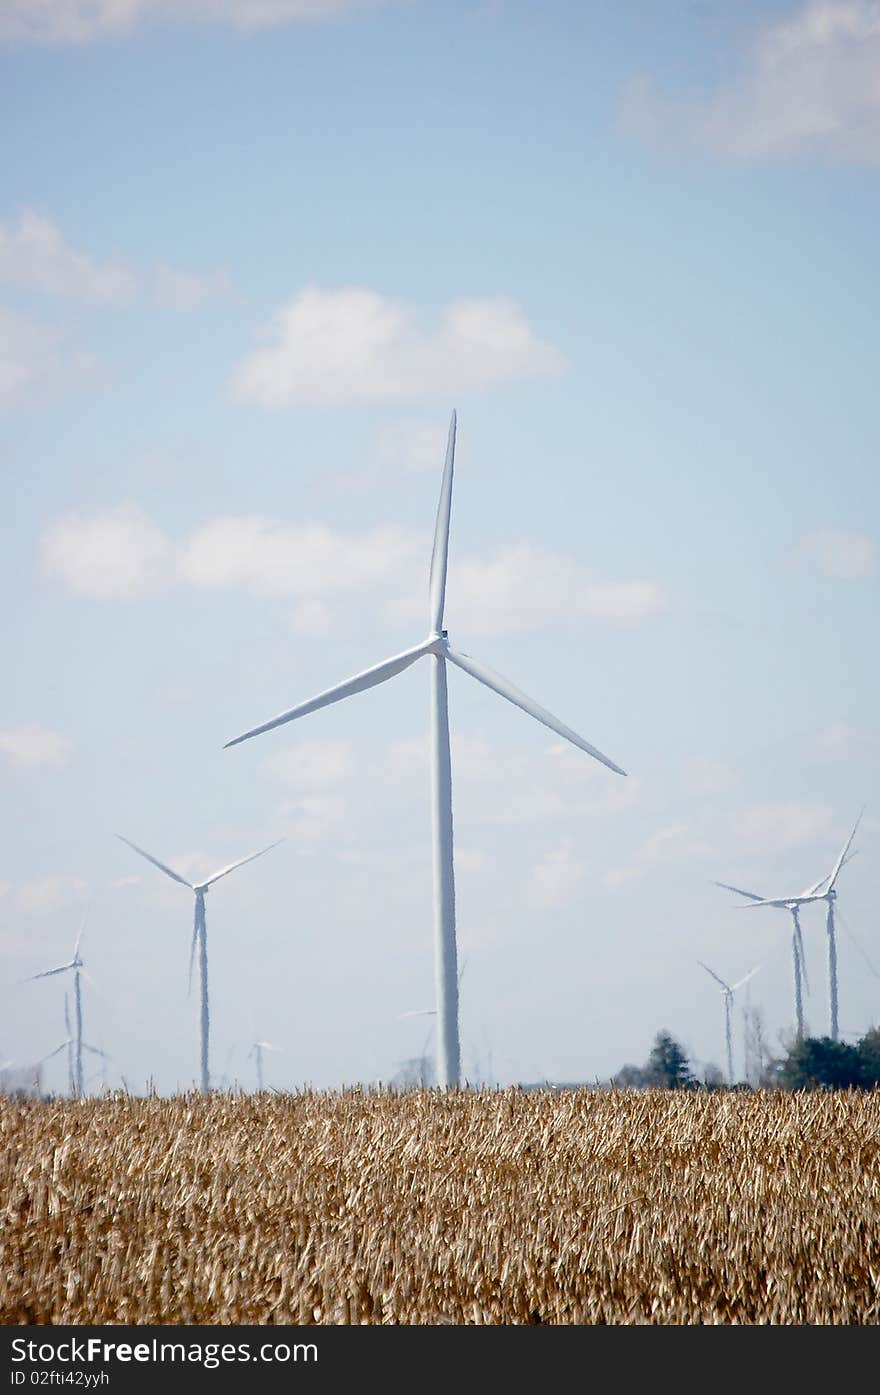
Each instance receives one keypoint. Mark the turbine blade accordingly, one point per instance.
(822, 887)
(192, 949)
(803, 958)
(725, 986)
(507, 690)
(783, 902)
(437, 583)
(81, 929)
(752, 895)
(215, 876)
(47, 973)
(96, 1051)
(419, 1012)
(845, 849)
(175, 876)
(367, 679)
(49, 1054)
(740, 981)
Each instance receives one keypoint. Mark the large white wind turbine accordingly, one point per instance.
(74, 1040)
(200, 933)
(728, 990)
(823, 890)
(437, 648)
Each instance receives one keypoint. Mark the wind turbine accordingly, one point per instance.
(257, 1049)
(823, 890)
(426, 1065)
(728, 990)
(200, 933)
(436, 646)
(77, 967)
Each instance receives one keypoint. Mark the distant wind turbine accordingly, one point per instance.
(200, 933)
(728, 990)
(823, 890)
(257, 1049)
(77, 967)
(437, 646)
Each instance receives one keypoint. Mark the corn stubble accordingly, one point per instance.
(501, 1207)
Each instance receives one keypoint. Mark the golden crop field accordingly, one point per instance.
(494, 1206)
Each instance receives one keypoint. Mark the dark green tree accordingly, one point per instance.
(869, 1054)
(668, 1067)
(819, 1063)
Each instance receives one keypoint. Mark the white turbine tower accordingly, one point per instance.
(200, 934)
(74, 1041)
(437, 648)
(728, 990)
(823, 890)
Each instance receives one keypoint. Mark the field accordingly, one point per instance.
(500, 1207)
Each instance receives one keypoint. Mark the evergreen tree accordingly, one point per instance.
(668, 1066)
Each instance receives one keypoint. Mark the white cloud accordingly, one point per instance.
(182, 290)
(838, 741)
(311, 617)
(116, 554)
(704, 776)
(312, 815)
(782, 825)
(50, 894)
(327, 348)
(80, 21)
(556, 878)
(524, 587)
(34, 256)
(408, 446)
(279, 559)
(810, 85)
(121, 553)
(313, 764)
(845, 555)
(668, 846)
(30, 354)
(31, 746)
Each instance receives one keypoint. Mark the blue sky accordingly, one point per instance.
(252, 253)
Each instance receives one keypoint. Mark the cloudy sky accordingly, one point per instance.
(252, 254)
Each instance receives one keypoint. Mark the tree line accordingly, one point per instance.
(813, 1063)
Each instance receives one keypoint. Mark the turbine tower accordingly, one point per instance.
(437, 649)
(823, 890)
(728, 990)
(74, 1041)
(200, 935)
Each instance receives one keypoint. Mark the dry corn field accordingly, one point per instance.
(495, 1206)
